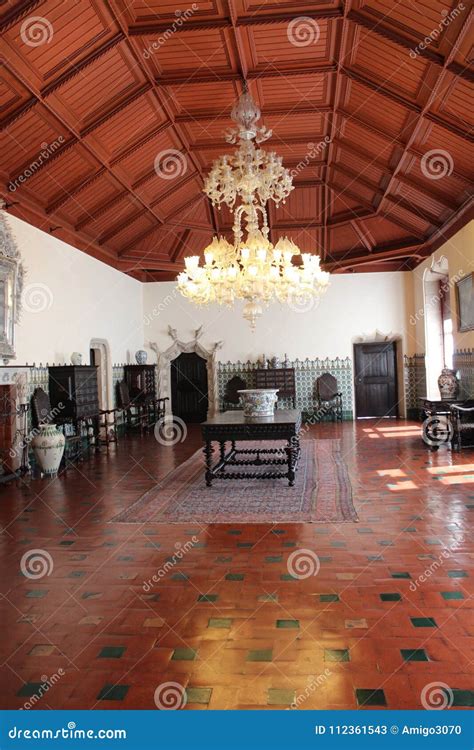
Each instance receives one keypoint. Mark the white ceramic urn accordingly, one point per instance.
(258, 402)
(48, 447)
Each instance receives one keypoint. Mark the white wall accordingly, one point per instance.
(354, 305)
(70, 298)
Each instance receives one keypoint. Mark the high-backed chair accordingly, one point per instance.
(231, 398)
(140, 412)
(328, 397)
(461, 418)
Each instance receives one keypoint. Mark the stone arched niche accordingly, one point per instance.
(164, 359)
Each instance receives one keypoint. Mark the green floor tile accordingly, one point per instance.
(261, 654)
(280, 697)
(29, 689)
(244, 545)
(287, 624)
(36, 594)
(207, 598)
(457, 574)
(273, 559)
(390, 597)
(234, 577)
(400, 575)
(268, 598)
(179, 577)
(374, 558)
(219, 622)
(184, 654)
(423, 622)
(278, 531)
(452, 595)
(414, 654)
(336, 654)
(368, 697)
(198, 695)
(289, 544)
(463, 698)
(329, 597)
(113, 693)
(223, 559)
(288, 577)
(111, 652)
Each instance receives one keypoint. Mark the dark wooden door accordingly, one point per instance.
(189, 396)
(375, 368)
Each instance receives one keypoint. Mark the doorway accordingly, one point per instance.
(375, 371)
(100, 357)
(189, 393)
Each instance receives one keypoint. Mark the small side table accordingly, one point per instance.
(437, 427)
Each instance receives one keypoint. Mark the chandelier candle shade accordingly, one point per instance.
(252, 268)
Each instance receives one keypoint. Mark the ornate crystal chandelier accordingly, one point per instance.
(250, 269)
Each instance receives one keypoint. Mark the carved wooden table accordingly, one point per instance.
(232, 427)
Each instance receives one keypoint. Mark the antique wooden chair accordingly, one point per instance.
(141, 412)
(231, 398)
(461, 417)
(328, 397)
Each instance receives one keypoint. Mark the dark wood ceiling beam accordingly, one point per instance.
(379, 253)
(75, 190)
(414, 210)
(115, 110)
(258, 19)
(379, 88)
(301, 109)
(15, 14)
(68, 233)
(341, 190)
(8, 121)
(378, 27)
(363, 234)
(79, 67)
(225, 77)
(80, 138)
(117, 228)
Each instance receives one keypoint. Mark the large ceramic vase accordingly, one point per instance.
(258, 403)
(448, 384)
(48, 447)
(141, 357)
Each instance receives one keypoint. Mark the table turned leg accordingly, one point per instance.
(290, 452)
(208, 450)
(222, 449)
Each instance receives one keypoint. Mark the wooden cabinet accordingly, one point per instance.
(140, 380)
(282, 378)
(73, 390)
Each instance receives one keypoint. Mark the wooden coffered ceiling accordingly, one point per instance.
(97, 93)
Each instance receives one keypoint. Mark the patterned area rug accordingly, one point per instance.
(322, 493)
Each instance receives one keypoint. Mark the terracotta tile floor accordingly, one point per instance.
(228, 622)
